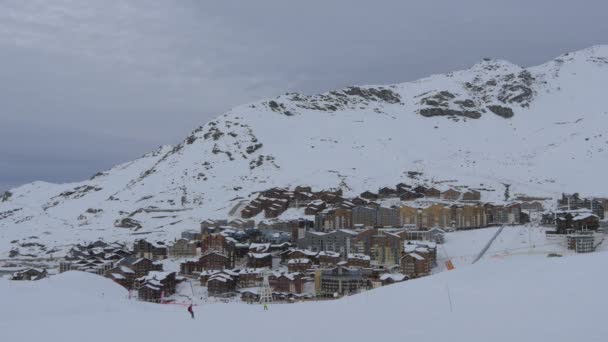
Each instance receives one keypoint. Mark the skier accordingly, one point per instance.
(191, 311)
(265, 307)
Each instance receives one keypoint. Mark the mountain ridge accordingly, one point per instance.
(539, 129)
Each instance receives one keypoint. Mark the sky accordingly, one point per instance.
(85, 84)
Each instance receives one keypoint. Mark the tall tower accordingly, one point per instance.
(265, 290)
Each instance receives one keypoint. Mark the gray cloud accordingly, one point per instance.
(86, 84)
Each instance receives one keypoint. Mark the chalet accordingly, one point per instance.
(451, 195)
(401, 187)
(391, 278)
(250, 277)
(155, 286)
(302, 188)
(250, 211)
(141, 266)
(241, 224)
(210, 223)
(215, 261)
(356, 260)
(259, 260)
(420, 189)
(315, 207)
(426, 249)
(183, 248)
(387, 192)
(189, 267)
(206, 275)
(220, 244)
(345, 205)
(339, 281)
(471, 195)
(407, 195)
(368, 195)
(359, 201)
(286, 282)
(30, 274)
(432, 192)
(221, 285)
(299, 265)
(91, 265)
(275, 209)
(328, 259)
(331, 197)
(297, 254)
(414, 265)
(122, 275)
(150, 250)
(579, 221)
(300, 198)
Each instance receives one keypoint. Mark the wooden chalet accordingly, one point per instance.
(30, 274)
(259, 260)
(451, 195)
(368, 195)
(471, 195)
(215, 261)
(432, 193)
(414, 265)
(299, 265)
(221, 285)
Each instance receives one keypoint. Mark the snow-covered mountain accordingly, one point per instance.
(542, 129)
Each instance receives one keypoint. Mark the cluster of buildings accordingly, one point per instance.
(138, 269)
(319, 264)
(420, 207)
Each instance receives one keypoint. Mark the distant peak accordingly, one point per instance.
(494, 64)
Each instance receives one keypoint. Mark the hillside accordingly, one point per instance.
(543, 130)
(519, 299)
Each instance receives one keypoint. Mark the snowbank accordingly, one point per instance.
(517, 299)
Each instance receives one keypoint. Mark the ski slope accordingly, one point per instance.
(516, 299)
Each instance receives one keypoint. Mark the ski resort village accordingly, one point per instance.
(465, 206)
(338, 247)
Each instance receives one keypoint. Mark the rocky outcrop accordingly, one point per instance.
(504, 112)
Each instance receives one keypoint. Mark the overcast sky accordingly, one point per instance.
(88, 84)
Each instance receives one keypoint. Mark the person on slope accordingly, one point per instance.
(191, 311)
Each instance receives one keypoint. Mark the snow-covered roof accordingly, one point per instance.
(259, 255)
(358, 256)
(394, 276)
(416, 256)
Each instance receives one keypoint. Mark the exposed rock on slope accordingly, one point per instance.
(542, 129)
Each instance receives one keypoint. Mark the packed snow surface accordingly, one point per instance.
(515, 299)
